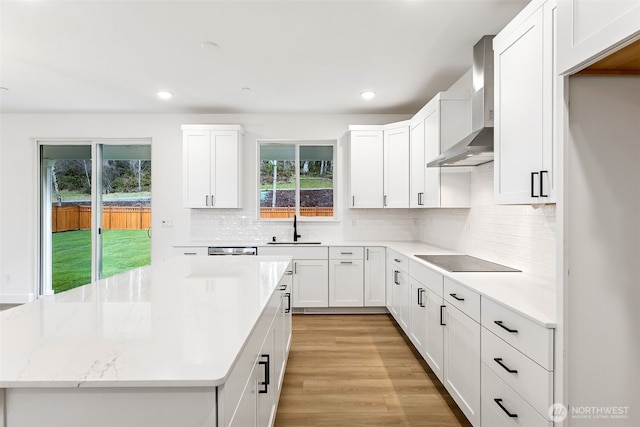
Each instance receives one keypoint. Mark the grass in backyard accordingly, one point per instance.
(122, 250)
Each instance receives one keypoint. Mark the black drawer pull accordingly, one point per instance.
(506, 368)
(506, 411)
(266, 381)
(499, 323)
(455, 296)
(442, 315)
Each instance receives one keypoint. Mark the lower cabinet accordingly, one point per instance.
(310, 283)
(250, 396)
(374, 276)
(398, 289)
(346, 277)
(462, 362)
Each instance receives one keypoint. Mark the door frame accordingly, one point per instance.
(43, 271)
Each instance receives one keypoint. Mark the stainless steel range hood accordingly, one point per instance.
(476, 148)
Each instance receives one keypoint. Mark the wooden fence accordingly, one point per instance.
(268, 212)
(66, 218)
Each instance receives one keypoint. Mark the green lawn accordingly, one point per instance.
(122, 251)
(305, 182)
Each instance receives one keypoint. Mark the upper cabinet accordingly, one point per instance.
(366, 163)
(211, 166)
(379, 166)
(525, 85)
(447, 119)
(396, 166)
(591, 29)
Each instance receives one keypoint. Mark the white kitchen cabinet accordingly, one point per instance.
(211, 166)
(346, 276)
(396, 166)
(310, 283)
(379, 166)
(191, 250)
(417, 165)
(374, 276)
(366, 167)
(462, 352)
(589, 30)
(417, 314)
(447, 119)
(525, 84)
(429, 311)
(398, 288)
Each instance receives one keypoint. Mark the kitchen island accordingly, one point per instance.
(181, 343)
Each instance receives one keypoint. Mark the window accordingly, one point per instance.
(296, 177)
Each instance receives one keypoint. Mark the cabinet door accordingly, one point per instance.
(462, 362)
(396, 168)
(247, 411)
(374, 277)
(417, 312)
(346, 283)
(519, 96)
(196, 163)
(417, 166)
(431, 151)
(267, 388)
(310, 283)
(433, 349)
(400, 297)
(366, 169)
(225, 173)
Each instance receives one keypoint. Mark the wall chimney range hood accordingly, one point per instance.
(476, 148)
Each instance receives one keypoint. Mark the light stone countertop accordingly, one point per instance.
(182, 322)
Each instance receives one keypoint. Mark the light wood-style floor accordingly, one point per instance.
(359, 370)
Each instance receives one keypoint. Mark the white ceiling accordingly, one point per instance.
(62, 56)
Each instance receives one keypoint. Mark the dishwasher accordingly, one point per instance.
(232, 250)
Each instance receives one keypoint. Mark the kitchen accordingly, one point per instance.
(527, 237)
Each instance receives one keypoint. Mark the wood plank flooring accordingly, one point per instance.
(359, 370)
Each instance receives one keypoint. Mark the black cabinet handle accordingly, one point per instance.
(533, 180)
(499, 402)
(456, 297)
(397, 260)
(420, 202)
(420, 291)
(346, 262)
(499, 323)
(282, 287)
(288, 272)
(442, 315)
(288, 297)
(396, 275)
(266, 381)
(353, 200)
(541, 183)
(506, 368)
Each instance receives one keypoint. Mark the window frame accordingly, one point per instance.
(297, 143)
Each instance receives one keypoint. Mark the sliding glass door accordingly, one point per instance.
(95, 211)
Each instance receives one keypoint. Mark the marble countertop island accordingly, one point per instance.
(180, 323)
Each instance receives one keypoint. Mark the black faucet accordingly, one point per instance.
(295, 229)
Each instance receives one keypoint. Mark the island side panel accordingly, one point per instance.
(109, 407)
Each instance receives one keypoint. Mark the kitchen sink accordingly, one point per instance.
(294, 243)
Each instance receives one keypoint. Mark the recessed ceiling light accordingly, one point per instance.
(164, 94)
(368, 94)
(209, 45)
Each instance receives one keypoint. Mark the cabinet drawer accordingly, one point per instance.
(531, 381)
(463, 298)
(397, 260)
(297, 252)
(346, 252)
(499, 400)
(530, 338)
(428, 277)
(190, 250)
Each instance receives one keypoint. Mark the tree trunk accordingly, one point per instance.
(275, 181)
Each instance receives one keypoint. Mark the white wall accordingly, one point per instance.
(19, 196)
